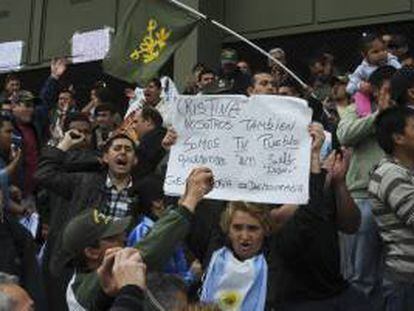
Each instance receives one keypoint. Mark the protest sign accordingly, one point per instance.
(257, 147)
(11, 55)
(90, 46)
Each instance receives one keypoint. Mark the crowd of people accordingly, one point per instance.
(85, 223)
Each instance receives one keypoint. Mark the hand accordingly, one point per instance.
(196, 269)
(58, 67)
(15, 155)
(129, 269)
(308, 91)
(71, 139)
(94, 103)
(15, 193)
(318, 137)
(281, 215)
(341, 165)
(384, 97)
(328, 163)
(104, 272)
(199, 183)
(169, 139)
(29, 206)
(129, 93)
(365, 87)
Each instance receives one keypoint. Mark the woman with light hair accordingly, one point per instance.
(236, 277)
(287, 257)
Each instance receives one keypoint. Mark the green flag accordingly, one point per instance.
(149, 34)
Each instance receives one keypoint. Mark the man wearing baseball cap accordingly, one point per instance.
(230, 76)
(92, 236)
(30, 119)
(84, 243)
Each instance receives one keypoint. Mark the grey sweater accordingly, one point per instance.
(392, 189)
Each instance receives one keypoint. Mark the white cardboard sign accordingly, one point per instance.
(11, 55)
(258, 147)
(91, 45)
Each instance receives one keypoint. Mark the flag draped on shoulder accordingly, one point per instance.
(149, 34)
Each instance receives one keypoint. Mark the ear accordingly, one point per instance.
(135, 161)
(92, 253)
(105, 157)
(398, 139)
(410, 93)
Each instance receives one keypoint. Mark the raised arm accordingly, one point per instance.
(348, 216)
(174, 227)
(51, 173)
(355, 80)
(50, 90)
(352, 130)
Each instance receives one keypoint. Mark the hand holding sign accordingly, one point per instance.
(199, 183)
(169, 139)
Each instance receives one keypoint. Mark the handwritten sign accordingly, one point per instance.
(91, 45)
(11, 55)
(257, 147)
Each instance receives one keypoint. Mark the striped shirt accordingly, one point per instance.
(391, 188)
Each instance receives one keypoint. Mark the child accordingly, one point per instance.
(152, 204)
(375, 55)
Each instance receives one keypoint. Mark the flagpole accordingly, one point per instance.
(242, 38)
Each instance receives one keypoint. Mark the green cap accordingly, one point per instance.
(85, 229)
(229, 56)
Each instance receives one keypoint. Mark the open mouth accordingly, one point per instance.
(121, 161)
(245, 246)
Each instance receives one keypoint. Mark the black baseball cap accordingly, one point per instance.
(86, 228)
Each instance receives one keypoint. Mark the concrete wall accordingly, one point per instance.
(270, 18)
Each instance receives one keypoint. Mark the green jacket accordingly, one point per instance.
(156, 249)
(358, 133)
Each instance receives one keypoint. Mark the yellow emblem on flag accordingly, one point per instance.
(152, 44)
(229, 300)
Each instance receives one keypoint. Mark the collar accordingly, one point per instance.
(109, 184)
(398, 162)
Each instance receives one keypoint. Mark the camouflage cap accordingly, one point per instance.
(25, 97)
(86, 228)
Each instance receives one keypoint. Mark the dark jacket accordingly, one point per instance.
(81, 189)
(235, 82)
(304, 261)
(55, 210)
(49, 95)
(150, 152)
(50, 92)
(19, 258)
(129, 298)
